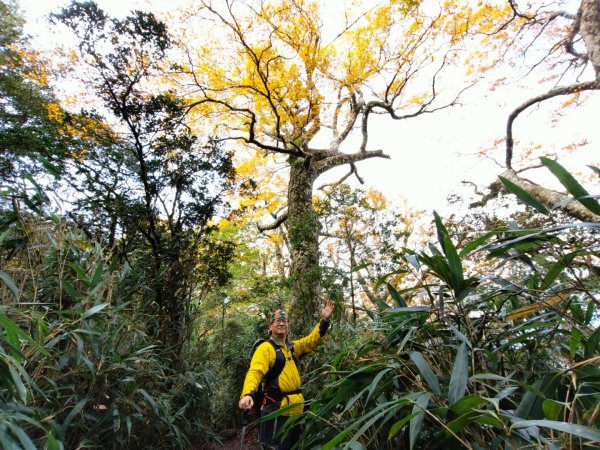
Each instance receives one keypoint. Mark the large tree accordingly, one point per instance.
(283, 79)
(149, 186)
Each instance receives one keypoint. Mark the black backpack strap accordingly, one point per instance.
(273, 392)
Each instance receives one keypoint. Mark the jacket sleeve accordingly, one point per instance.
(259, 366)
(308, 343)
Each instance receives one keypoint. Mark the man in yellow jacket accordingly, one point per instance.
(284, 390)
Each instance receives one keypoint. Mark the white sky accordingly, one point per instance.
(432, 154)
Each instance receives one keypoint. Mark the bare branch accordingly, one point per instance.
(475, 187)
(251, 139)
(273, 225)
(566, 90)
(353, 170)
(346, 158)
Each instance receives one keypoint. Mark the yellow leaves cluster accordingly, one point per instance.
(377, 199)
(76, 126)
(34, 68)
(572, 99)
(55, 113)
(268, 198)
(286, 71)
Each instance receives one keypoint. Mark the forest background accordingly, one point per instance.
(169, 177)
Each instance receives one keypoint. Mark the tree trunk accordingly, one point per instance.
(590, 23)
(303, 227)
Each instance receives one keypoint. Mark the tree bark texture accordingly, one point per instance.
(550, 198)
(303, 227)
(590, 32)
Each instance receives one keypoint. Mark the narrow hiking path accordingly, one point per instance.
(233, 442)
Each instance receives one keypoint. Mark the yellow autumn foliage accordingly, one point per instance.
(287, 71)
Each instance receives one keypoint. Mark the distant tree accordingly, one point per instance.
(362, 235)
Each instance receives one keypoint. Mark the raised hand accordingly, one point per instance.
(327, 310)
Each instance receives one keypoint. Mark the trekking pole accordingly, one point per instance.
(244, 424)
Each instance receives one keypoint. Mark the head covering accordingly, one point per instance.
(278, 314)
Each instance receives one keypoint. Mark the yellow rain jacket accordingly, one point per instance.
(289, 379)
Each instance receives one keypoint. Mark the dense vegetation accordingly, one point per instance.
(131, 291)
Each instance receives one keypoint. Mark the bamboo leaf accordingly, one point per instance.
(416, 422)
(375, 382)
(591, 346)
(455, 265)
(430, 377)
(361, 267)
(460, 375)
(74, 412)
(571, 428)
(7, 441)
(524, 196)
(556, 270)
(398, 425)
(413, 261)
(574, 341)
(572, 185)
(466, 405)
(18, 384)
(93, 310)
(442, 232)
(595, 169)
(398, 300)
(476, 243)
(15, 332)
(589, 312)
(149, 399)
(10, 284)
(78, 271)
(53, 443)
(97, 277)
(529, 398)
(552, 409)
(25, 440)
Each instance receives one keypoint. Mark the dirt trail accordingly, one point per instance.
(234, 442)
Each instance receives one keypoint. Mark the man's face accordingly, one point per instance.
(279, 326)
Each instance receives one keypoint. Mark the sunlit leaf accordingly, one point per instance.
(528, 310)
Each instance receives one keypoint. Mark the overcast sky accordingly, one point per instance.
(431, 155)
